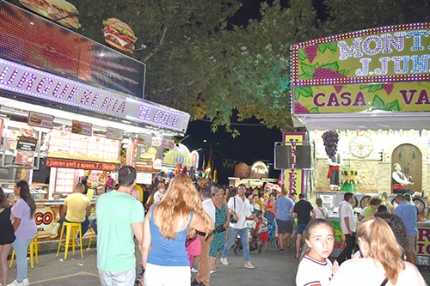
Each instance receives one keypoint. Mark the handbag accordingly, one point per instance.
(232, 220)
(220, 228)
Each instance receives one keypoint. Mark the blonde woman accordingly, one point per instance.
(320, 211)
(385, 202)
(165, 229)
(381, 263)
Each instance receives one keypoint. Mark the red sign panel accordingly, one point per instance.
(74, 164)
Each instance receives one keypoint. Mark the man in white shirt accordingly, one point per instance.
(240, 208)
(203, 275)
(161, 189)
(347, 223)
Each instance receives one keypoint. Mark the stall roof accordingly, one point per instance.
(20, 108)
(366, 121)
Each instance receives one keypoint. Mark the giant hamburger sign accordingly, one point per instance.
(60, 11)
(119, 35)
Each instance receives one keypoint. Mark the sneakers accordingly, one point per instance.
(16, 283)
(26, 282)
(224, 261)
(212, 270)
(194, 270)
(249, 265)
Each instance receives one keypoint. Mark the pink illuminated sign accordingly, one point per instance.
(38, 84)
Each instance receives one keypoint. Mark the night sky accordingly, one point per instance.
(256, 142)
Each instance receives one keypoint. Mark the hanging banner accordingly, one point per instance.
(82, 128)
(293, 180)
(40, 120)
(25, 148)
(114, 133)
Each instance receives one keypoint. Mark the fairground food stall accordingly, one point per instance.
(254, 176)
(372, 88)
(67, 114)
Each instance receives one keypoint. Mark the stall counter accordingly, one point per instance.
(47, 217)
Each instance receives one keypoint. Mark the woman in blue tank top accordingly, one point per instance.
(165, 230)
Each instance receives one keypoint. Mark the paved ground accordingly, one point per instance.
(271, 269)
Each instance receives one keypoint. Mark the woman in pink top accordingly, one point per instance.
(25, 229)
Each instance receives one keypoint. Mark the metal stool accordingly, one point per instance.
(72, 230)
(33, 250)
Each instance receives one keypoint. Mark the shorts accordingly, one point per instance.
(285, 226)
(263, 236)
(411, 240)
(156, 275)
(300, 228)
(120, 278)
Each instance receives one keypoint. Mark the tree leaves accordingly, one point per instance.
(199, 63)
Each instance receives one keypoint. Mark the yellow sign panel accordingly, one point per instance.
(293, 179)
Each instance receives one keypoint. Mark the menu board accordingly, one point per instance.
(20, 145)
(65, 180)
(64, 144)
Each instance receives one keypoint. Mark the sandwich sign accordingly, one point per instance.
(60, 11)
(119, 35)
(40, 120)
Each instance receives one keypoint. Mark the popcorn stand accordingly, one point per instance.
(372, 88)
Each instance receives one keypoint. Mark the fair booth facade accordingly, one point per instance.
(372, 88)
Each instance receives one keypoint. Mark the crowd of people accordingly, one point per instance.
(384, 240)
(181, 221)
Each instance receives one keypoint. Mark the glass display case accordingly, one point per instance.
(39, 191)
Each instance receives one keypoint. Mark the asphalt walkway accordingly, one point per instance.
(271, 269)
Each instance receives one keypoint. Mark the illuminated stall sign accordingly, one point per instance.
(423, 241)
(259, 170)
(86, 165)
(42, 85)
(293, 179)
(369, 70)
(180, 154)
(40, 120)
(36, 42)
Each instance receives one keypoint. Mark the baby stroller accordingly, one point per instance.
(252, 239)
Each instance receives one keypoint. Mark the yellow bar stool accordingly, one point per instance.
(72, 230)
(33, 250)
(93, 236)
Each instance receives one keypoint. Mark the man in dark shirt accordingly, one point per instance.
(302, 210)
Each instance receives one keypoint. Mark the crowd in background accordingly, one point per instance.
(175, 223)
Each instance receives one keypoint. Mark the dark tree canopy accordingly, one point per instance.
(197, 63)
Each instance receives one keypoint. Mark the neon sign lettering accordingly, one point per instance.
(292, 179)
(38, 84)
(386, 44)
